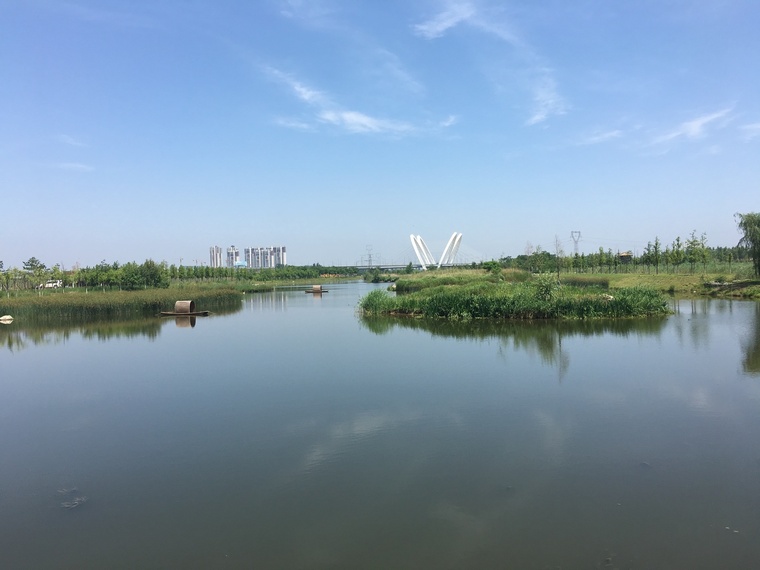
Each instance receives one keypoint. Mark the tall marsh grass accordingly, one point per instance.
(98, 303)
(516, 301)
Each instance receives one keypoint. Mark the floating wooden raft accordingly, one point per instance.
(316, 290)
(184, 309)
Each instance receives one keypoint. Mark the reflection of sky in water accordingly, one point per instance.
(293, 434)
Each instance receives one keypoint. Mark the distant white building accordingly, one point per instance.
(233, 256)
(215, 256)
(265, 257)
(255, 257)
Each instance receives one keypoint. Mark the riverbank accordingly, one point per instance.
(66, 303)
(105, 302)
(715, 285)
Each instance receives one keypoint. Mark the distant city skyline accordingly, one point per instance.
(145, 130)
(255, 257)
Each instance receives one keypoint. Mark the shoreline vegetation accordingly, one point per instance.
(217, 296)
(488, 291)
(498, 294)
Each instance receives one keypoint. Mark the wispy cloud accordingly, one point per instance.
(74, 166)
(750, 131)
(310, 12)
(601, 137)
(71, 141)
(328, 112)
(695, 128)
(299, 89)
(449, 121)
(546, 98)
(392, 67)
(454, 14)
(356, 122)
(100, 15)
(291, 123)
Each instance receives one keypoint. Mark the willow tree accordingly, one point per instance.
(749, 225)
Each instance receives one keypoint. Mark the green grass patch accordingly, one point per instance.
(98, 303)
(540, 298)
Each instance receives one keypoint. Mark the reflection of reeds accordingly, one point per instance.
(35, 326)
(520, 331)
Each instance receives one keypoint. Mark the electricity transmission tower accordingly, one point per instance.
(576, 235)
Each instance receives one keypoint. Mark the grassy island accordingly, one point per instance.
(510, 295)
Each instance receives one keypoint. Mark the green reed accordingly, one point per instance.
(530, 300)
(99, 303)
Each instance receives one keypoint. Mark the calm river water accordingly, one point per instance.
(293, 434)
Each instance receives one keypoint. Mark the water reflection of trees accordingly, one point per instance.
(543, 337)
(18, 337)
(751, 361)
(34, 330)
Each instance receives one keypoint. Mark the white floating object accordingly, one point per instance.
(6, 319)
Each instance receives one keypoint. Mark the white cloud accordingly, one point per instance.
(454, 14)
(449, 121)
(71, 141)
(100, 15)
(600, 137)
(291, 123)
(695, 128)
(74, 167)
(546, 100)
(303, 92)
(356, 122)
(392, 67)
(310, 12)
(331, 113)
(751, 131)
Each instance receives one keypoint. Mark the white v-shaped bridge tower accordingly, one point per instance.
(426, 258)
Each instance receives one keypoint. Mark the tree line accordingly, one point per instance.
(151, 274)
(691, 254)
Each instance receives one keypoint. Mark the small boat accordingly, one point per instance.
(193, 314)
(184, 309)
(6, 319)
(316, 290)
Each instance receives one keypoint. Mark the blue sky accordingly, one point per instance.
(133, 130)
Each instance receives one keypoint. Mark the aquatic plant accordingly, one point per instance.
(536, 300)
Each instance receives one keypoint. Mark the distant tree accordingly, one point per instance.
(656, 254)
(33, 264)
(130, 276)
(646, 256)
(154, 274)
(692, 250)
(677, 256)
(409, 268)
(667, 257)
(36, 268)
(704, 251)
(559, 253)
(56, 273)
(749, 225)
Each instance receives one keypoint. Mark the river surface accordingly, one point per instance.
(294, 434)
